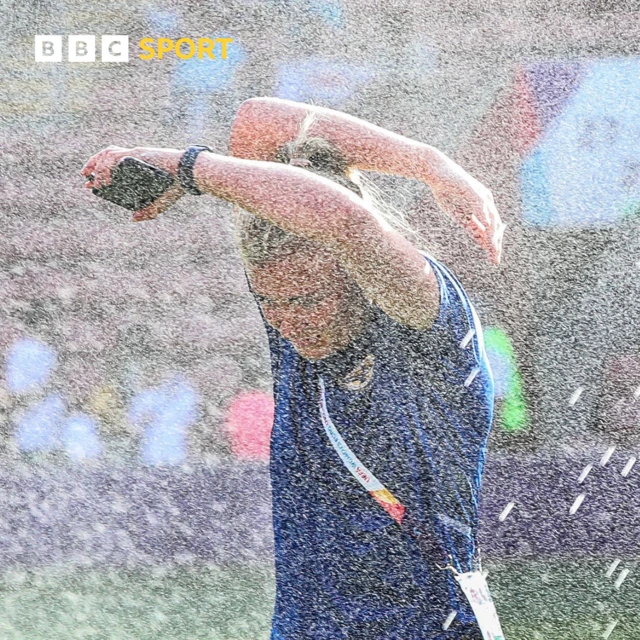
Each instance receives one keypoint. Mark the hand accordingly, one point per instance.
(470, 204)
(98, 171)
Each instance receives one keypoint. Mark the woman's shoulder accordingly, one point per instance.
(453, 321)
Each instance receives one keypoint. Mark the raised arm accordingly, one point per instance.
(388, 268)
(263, 125)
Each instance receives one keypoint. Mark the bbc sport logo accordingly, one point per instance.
(82, 48)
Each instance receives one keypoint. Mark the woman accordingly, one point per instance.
(381, 381)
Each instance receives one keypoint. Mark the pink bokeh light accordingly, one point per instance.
(248, 425)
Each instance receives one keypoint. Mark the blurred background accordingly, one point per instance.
(135, 404)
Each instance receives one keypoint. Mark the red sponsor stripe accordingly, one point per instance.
(396, 511)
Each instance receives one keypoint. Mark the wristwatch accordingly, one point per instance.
(185, 168)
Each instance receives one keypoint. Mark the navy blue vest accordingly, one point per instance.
(416, 408)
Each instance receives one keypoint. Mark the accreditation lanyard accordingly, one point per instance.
(358, 470)
(473, 583)
(427, 542)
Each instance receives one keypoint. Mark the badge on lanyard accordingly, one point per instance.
(475, 587)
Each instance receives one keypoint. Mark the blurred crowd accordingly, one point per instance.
(140, 343)
(139, 408)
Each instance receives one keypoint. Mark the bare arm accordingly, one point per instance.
(263, 125)
(388, 268)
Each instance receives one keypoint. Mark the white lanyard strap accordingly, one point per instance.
(425, 538)
(472, 584)
(358, 470)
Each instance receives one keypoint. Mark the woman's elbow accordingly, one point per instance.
(246, 139)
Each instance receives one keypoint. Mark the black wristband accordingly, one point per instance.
(185, 168)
